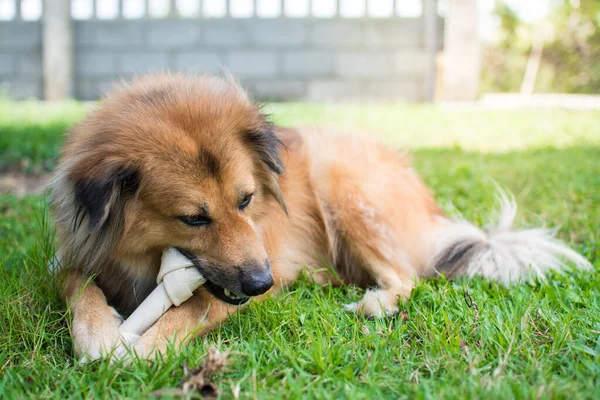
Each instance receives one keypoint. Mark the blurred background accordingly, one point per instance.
(309, 50)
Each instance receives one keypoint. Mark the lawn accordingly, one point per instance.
(537, 340)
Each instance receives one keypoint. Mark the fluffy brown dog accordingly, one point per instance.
(191, 163)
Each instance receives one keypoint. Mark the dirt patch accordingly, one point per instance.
(20, 184)
(198, 380)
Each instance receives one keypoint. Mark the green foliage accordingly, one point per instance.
(570, 58)
(502, 70)
(509, 23)
(573, 56)
(539, 340)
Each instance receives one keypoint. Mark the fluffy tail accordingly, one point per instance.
(501, 253)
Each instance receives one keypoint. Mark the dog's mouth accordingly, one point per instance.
(213, 288)
(224, 295)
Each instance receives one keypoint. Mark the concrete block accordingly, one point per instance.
(30, 64)
(398, 33)
(225, 32)
(110, 33)
(276, 90)
(253, 63)
(335, 90)
(410, 63)
(91, 63)
(22, 89)
(22, 35)
(8, 64)
(363, 64)
(142, 62)
(199, 62)
(278, 33)
(308, 63)
(335, 34)
(386, 90)
(172, 33)
(92, 89)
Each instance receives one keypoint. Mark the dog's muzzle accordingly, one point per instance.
(249, 279)
(256, 281)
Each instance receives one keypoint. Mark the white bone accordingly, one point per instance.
(177, 279)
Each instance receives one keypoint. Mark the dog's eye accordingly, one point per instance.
(195, 220)
(245, 202)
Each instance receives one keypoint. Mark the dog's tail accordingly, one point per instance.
(500, 252)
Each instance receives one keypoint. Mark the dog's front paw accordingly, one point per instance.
(376, 304)
(96, 334)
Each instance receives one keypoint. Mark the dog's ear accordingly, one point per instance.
(272, 187)
(267, 146)
(98, 197)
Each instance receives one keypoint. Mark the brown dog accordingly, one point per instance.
(191, 163)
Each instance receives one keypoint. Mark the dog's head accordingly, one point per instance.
(170, 161)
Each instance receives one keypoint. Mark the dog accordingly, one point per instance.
(191, 162)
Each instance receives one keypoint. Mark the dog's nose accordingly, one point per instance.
(256, 281)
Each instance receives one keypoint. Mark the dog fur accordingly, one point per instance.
(165, 149)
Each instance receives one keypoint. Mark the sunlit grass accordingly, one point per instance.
(31, 133)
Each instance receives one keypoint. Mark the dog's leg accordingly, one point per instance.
(377, 223)
(197, 316)
(369, 246)
(95, 325)
(381, 216)
(383, 301)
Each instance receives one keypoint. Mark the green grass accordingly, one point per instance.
(31, 133)
(530, 341)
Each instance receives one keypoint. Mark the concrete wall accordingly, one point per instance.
(21, 59)
(278, 59)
